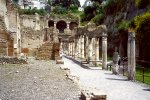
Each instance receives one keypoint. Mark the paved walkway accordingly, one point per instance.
(116, 87)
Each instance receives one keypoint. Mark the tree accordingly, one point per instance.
(16, 1)
(66, 3)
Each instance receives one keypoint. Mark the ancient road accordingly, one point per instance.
(116, 87)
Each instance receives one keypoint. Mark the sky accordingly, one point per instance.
(82, 2)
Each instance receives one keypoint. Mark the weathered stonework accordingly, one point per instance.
(30, 32)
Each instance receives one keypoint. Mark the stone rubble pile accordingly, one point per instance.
(12, 60)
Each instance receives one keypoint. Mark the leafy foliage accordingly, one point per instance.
(142, 3)
(142, 24)
(88, 14)
(142, 29)
(59, 10)
(113, 6)
(124, 25)
(65, 3)
(32, 11)
(16, 1)
(98, 19)
(73, 8)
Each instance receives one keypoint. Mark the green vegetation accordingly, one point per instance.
(97, 11)
(113, 6)
(142, 3)
(32, 11)
(142, 30)
(124, 25)
(59, 10)
(16, 1)
(139, 75)
(66, 3)
(98, 19)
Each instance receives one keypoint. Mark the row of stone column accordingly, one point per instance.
(88, 48)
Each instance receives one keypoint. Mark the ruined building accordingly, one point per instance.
(33, 35)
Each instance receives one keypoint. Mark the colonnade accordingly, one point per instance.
(86, 46)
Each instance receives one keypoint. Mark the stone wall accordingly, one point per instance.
(34, 22)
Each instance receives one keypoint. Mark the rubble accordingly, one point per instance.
(11, 60)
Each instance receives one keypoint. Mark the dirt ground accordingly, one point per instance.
(38, 80)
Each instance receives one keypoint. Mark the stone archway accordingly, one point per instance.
(61, 25)
(72, 25)
(50, 23)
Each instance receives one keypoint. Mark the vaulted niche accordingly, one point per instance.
(72, 25)
(61, 25)
(51, 23)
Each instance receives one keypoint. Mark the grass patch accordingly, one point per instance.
(109, 58)
(139, 75)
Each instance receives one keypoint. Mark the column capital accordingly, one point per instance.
(104, 34)
(131, 35)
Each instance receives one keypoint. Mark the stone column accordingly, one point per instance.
(55, 25)
(131, 56)
(104, 51)
(68, 49)
(68, 23)
(73, 51)
(90, 49)
(61, 47)
(87, 47)
(79, 49)
(97, 49)
(94, 50)
(75, 47)
(82, 46)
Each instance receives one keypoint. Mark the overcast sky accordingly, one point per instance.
(82, 2)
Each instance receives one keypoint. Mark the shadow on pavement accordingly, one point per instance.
(77, 62)
(146, 90)
(82, 65)
(108, 73)
(117, 79)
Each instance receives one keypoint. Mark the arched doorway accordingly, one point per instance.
(61, 25)
(50, 23)
(72, 25)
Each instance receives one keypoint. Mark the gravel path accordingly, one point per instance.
(38, 80)
(116, 87)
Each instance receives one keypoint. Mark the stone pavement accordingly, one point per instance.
(116, 87)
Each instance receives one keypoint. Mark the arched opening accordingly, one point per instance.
(61, 25)
(50, 23)
(72, 25)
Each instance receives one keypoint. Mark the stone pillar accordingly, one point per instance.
(97, 49)
(82, 46)
(87, 47)
(131, 56)
(104, 51)
(68, 24)
(68, 49)
(90, 49)
(79, 49)
(55, 25)
(61, 47)
(94, 50)
(73, 49)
